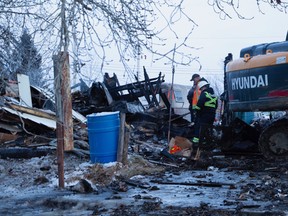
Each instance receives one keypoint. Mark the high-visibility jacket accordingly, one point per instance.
(193, 96)
(207, 102)
(196, 95)
(205, 111)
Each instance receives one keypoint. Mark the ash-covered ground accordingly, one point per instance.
(216, 184)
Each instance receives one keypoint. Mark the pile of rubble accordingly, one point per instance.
(162, 175)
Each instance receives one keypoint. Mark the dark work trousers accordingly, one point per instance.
(193, 115)
(203, 121)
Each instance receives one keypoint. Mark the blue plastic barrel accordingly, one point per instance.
(103, 132)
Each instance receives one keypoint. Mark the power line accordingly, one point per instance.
(159, 69)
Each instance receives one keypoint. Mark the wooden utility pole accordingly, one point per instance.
(64, 125)
(123, 140)
(171, 93)
(121, 137)
(171, 102)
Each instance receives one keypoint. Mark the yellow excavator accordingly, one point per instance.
(258, 82)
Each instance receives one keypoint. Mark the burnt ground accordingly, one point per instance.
(150, 184)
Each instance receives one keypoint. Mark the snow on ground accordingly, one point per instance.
(30, 186)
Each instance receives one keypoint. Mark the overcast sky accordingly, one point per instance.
(217, 38)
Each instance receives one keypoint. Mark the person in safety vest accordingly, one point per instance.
(193, 95)
(205, 109)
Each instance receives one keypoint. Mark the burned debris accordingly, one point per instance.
(153, 110)
(35, 125)
(110, 96)
(152, 172)
(146, 105)
(145, 102)
(29, 123)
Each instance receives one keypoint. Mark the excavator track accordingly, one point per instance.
(273, 141)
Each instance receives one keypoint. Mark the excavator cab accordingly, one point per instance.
(258, 82)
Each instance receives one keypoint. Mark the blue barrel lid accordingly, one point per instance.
(103, 114)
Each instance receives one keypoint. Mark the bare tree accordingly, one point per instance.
(91, 28)
(88, 29)
(7, 42)
(225, 8)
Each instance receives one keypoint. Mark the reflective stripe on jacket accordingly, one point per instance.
(212, 100)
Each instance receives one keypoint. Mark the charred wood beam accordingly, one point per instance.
(136, 90)
(147, 89)
(132, 96)
(158, 84)
(163, 164)
(25, 153)
(164, 99)
(206, 184)
(32, 111)
(150, 88)
(134, 85)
